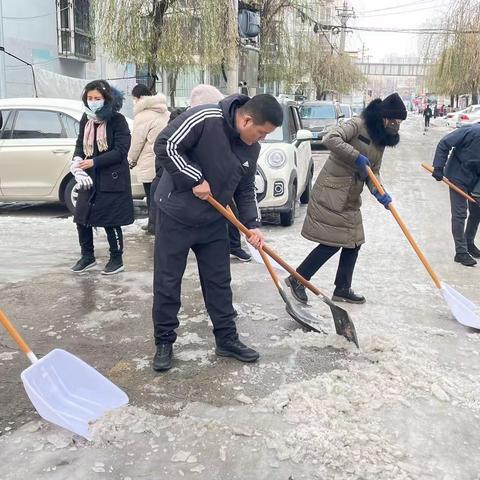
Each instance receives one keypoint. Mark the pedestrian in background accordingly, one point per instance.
(101, 170)
(333, 216)
(207, 94)
(150, 118)
(427, 113)
(458, 157)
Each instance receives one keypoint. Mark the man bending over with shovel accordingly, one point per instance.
(333, 218)
(207, 150)
(458, 156)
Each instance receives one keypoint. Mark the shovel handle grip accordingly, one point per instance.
(12, 331)
(451, 185)
(405, 230)
(231, 218)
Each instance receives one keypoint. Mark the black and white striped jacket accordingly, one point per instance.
(199, 144)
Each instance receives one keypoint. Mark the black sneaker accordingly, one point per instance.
(465, 259)
(241, 255)
(163, 357)
(347, 295)
(473, 250)
(84, 264)
(236, 349)
(297, 289)
(114, 265)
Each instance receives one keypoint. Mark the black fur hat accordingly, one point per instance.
(373, 118)
(393, 107)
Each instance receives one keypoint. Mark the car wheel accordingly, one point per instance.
(305, 198)
(71, 195)
(287, 218)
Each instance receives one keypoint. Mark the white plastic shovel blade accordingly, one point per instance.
(258, 258)
(70, 393)
(462, 308)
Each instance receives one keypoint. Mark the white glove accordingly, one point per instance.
(84, 182)
(74, 165)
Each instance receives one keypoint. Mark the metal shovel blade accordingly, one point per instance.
(462, 308)
(343, 323)
(70, 393)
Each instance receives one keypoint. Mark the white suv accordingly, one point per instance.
(37, 141)
(285, 167)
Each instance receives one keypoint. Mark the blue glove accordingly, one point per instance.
(362, 162)
(384, 199)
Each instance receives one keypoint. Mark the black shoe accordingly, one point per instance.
(347, 295)
(241, 255)
(84, 264)
(297, 289)
(236, 349)
(473, 250)
(114, 265)
(465, 259)
(163, 357)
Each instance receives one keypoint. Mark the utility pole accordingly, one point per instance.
(345, 14)
(232, 69)
(3, 76)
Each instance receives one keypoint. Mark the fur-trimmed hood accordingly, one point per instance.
(372, 116)
(157, 103)
(106, 112)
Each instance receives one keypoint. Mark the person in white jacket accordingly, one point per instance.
(150, 118)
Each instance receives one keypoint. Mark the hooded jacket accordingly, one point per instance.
(150, 118)
(109, 202)
(202, 143)
(333, 215)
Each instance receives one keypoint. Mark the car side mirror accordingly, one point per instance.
(303, 135)
(341, 115)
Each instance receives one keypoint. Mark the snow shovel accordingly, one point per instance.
(64, 389)
(462, 309)
(452, 186)
(343, 324)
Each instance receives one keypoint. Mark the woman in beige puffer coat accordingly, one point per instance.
(333, 217)
(150, 118)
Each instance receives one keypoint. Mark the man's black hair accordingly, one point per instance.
(141, 90)
(263, 108)
(102, 86)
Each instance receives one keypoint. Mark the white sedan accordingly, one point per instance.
(37, 141)
(285, 167)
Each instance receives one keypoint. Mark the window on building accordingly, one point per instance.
(37, 124)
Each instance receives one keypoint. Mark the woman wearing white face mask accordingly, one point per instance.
(103, 177)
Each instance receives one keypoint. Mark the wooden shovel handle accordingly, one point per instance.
(405, 230)
(231, 218)
(12, 331)
(451, 185)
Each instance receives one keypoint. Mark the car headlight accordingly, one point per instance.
(276, 159)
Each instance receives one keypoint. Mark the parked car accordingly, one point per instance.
(347, 112)
(452, 117)
(37, 141)
(285, 167)
(319, 117)
(471, 116)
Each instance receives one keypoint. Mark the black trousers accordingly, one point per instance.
(114, 237)
(233, 232)
(427, 121)
(152, 207)
(321, 254)
(173, 241)
(459, 207)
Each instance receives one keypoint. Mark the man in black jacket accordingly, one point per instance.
(458, 154)
(209, 149)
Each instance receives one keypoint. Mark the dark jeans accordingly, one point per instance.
(173, 241)
(321, 254)
(427, 121)
(459, 206)
(114, 236)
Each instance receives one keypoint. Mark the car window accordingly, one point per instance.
(292, 126)
(318, 112)
(72, 126)
(5, 123)
(345, 110)
(298, 120)
(37, 124)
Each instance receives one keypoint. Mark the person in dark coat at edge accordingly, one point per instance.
(101, 170)
(209, 149)
(333, 216)
(458, 158)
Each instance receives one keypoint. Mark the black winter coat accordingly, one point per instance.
(109, 202)
(463, 166)
(202, 143)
